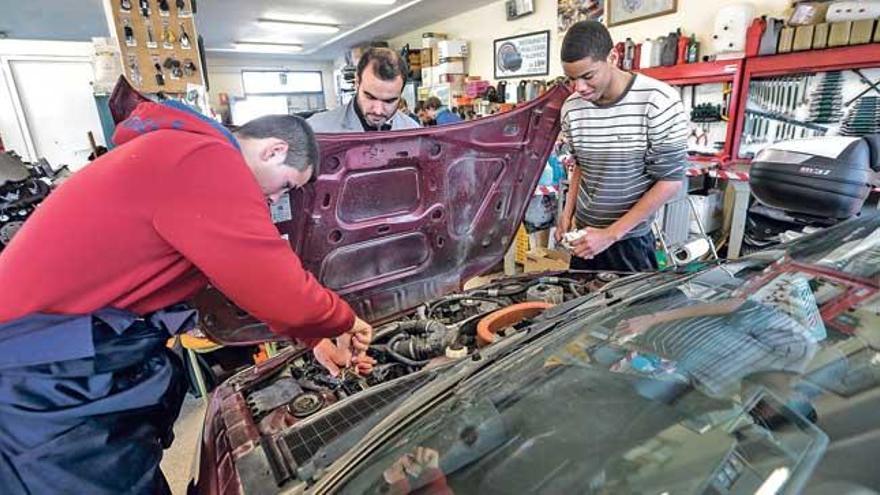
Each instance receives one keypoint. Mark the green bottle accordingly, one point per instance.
(693, 49)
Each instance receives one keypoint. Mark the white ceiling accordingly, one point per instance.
(223, 22)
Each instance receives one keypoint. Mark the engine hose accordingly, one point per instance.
(573, 288)
(402, 359)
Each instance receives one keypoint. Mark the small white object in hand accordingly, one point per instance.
(572, 236)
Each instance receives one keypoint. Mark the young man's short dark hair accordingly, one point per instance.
(586, 39)
(433, 103)
(302, 148)
(388, 66)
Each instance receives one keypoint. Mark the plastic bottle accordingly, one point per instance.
(683, 42)
(629, 53)
(647, 55)
(693, 51)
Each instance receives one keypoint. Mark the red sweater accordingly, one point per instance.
(150, 223)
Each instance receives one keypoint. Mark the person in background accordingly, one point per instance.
(628, 134)
(403, 107)
(422, 114)
(380, 77)
(440, 113)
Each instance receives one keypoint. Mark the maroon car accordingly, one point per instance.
(758, 375)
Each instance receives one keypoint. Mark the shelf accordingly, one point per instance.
(829, 59)
(698, 73)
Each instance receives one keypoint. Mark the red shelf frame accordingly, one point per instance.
(830, 59)
(719, 71)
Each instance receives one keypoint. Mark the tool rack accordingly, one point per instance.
(719, 71)
(793, 64)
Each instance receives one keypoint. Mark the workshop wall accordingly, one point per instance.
(224, 74)
(483, 25)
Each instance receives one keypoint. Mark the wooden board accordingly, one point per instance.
(145, 55)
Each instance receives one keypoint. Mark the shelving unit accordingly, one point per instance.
(720, 71)
(790, 64)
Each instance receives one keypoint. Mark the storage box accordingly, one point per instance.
(710, 211)
(786, 40)
(451, 66)
(820, 36)
(452, 49)
(456, 80)
(543, 260)
(861, 32)
(430, 40)
(839, 34)
(476, 89)
(803, 38)
(426, 57)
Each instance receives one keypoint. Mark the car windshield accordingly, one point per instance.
(760, 375)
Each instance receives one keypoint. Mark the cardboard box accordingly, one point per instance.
(803, 38)
(426, 57)
(820, 36)
(861, 32)
(452, 48)
(457, 80)
(451, 66)
(839, 35)
(543, 260)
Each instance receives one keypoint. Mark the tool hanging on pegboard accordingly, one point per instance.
(826, 100)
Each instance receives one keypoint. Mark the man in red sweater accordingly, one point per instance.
(91, 287)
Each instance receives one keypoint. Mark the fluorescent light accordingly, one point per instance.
(774, 482)
(301, 26)
(372, 2)
(263, 47)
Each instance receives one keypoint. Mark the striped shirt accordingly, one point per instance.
(624, 148)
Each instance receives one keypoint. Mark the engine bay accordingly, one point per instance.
(289, 411)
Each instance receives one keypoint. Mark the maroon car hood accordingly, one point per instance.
(398, 218)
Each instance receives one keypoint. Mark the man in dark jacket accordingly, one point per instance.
(91, 287)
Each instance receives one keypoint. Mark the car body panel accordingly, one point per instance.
(398, 218)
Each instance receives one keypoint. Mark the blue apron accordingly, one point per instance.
(88, 402)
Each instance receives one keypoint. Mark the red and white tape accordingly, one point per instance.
(729, 175)
(546, 190)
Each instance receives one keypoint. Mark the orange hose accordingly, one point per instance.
(503, 318)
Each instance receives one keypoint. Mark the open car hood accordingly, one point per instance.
(398, 218)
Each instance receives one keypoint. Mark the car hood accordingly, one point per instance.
(398, 218)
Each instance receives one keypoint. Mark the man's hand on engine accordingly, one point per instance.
(349, 351)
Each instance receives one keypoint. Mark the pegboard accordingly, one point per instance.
(158, 38)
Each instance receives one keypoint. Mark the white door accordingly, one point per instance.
(59, 108)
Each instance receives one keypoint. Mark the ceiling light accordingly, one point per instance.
(301, 26)
(263, 47)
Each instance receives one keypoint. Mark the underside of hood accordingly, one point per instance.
(398, 218)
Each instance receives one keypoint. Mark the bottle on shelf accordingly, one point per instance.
(629, 53)
(125, 5)
(145, 7)
(164, 8)
(151, 38)
(693, 51)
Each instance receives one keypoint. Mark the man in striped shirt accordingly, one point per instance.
(628, 133)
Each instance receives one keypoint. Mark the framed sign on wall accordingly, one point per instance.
(523, 55)
(624, 11)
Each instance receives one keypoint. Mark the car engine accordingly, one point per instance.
(436, 333)
(285, 420)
